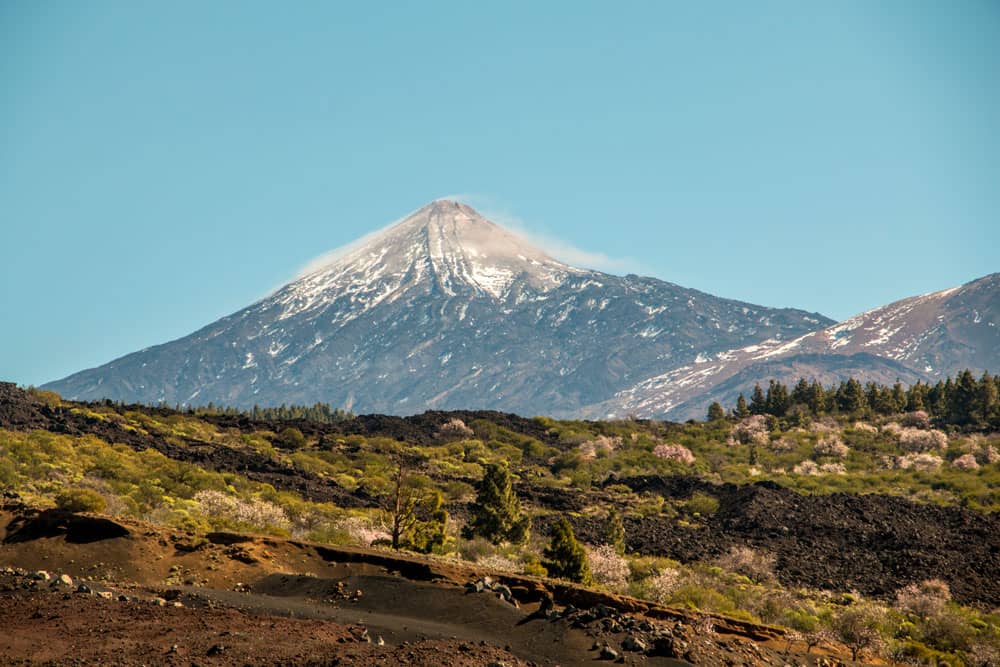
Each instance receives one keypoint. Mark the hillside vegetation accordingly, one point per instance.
(871, 524)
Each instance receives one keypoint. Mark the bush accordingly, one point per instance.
(678, 453)
(661, 586)
(608, 567)
(81, 500)
(966, 462)
(916, 419)
(831, 445)
(600, 446)
(858, 627)
(917, 440)
(702, 504)
(291, 438)
(921, 462)
(455, 429)
(756, 565)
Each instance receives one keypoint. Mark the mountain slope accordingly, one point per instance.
(924, 337)
(443, 310)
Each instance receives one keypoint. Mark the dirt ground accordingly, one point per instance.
(154, 596)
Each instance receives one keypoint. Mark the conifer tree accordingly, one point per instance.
(776, 402)
(898, 397)
(758, 404)
(800, 393)
(716, 412)
(916, 397)
(742, 411)
(962, 398)
(986, 400)
(852, 399)
(496, 514)
(817, 398)
(564, 557)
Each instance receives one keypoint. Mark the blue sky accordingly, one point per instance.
(165, 164)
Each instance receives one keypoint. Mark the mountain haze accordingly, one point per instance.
(444, 309)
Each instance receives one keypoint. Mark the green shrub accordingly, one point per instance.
(291, 438)
(701, 504)
(81, 500)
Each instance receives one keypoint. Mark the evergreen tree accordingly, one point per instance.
(564, 557)
(852, 398)
(742, 411)
(817, 398)
(898, 397)
(987, 398)
(758, 404)
(715, 412)
(962, 398)
(776, 402)
(800, 394)
(916, 397)
(496, 514)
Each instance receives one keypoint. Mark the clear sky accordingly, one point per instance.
(163, 164)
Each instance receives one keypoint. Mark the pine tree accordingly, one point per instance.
(916, 397)
(776, 402)
(962, 398)
(758, 404)
(986, 400)
(852, 398)
(496, 514)
(564, 557)
(742, 411)
(716, 412)
(800, 393)
(898, 397)
(817, 398)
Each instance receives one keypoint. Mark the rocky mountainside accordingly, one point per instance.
(924, 337)
(445, 310)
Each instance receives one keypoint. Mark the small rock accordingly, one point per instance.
(159, 602)
(123, 598)
(608, 653)
(216, 649)
(84, 588)
(41, 575)
(380, 641)
(65, 580)
(635, 644)
(107, 595)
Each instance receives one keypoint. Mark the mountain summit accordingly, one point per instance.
(444, 309)
(445, 246)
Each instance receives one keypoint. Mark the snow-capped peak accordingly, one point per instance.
(444, 245)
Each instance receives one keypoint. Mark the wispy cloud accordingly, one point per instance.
(558, 248)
